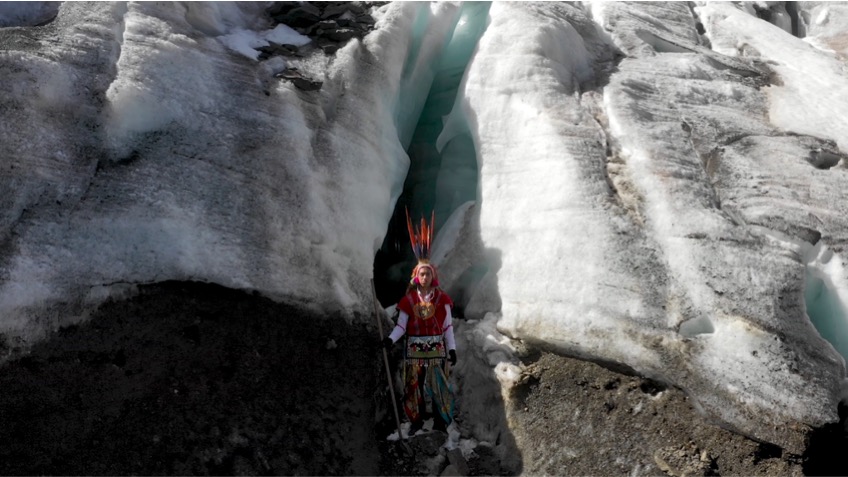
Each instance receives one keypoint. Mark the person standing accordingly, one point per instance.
(425, 319)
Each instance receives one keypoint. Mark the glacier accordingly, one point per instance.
(656, 186)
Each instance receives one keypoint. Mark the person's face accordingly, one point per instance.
(425, 277)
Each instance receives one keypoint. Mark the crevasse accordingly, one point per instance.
(442, 177)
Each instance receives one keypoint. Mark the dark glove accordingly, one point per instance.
(452, 357)
(387, 342)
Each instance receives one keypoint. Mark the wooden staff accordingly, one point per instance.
(377, 314)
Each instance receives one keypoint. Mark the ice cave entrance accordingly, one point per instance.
(826, 311)
(825, 299)
(440, 179)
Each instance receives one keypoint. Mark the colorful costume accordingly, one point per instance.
(427, 323)
(426, 320)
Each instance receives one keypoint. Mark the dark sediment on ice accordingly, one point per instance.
(190, 378)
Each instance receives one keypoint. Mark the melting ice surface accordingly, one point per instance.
(825, 297)
(309, 181)
(814, 104)
(441, 177)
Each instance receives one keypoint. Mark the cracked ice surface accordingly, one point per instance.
(682, 271)
(161, 154)
(643, 200)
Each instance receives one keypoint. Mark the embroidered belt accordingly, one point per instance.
(425, 347)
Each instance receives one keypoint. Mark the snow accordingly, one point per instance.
(576, 273)
(223, 169)
(150, 66)
(802, 103)
(218, 18)
(814, 104)
(212, 170)
(498, 350)
(542, 188)
(246, 41)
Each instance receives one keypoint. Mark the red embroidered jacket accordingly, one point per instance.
(425, 319)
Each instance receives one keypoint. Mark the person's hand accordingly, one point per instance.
(387, 342)
(452, 357)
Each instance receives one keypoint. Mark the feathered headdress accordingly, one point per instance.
(421, 237)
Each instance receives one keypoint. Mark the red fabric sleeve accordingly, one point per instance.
(444, 299)
(405, 305)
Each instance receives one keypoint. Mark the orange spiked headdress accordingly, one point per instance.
(421, 238)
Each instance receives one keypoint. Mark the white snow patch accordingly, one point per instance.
(246, 41)
(453, 441)
(813, 104)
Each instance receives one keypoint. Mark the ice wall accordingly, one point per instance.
(657, 213)
(140, 147)
(441, 177)
(645, 194)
